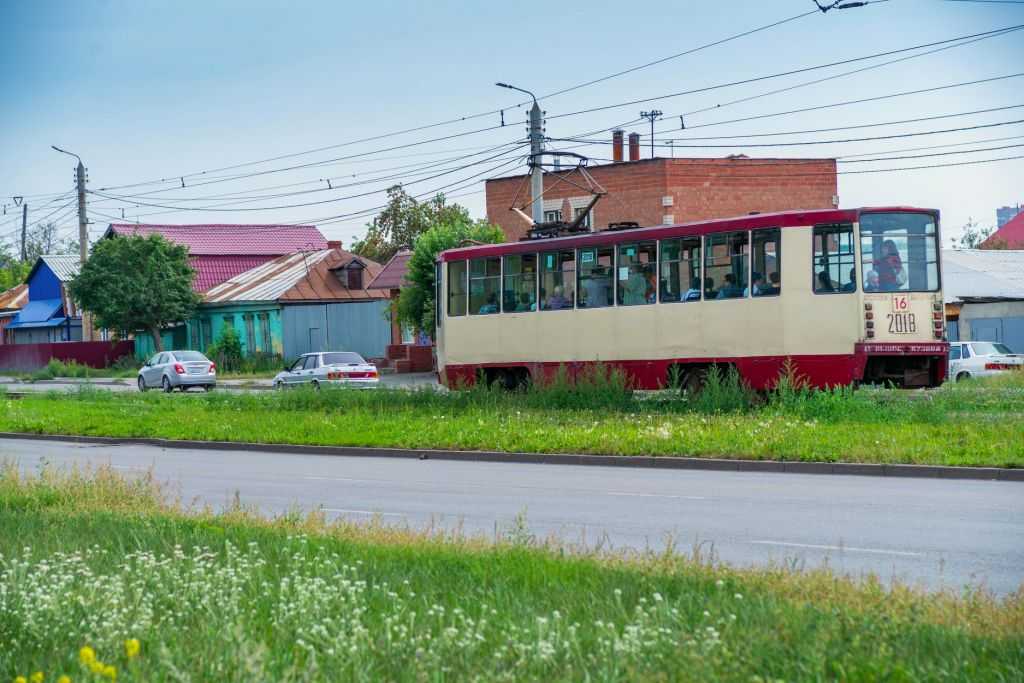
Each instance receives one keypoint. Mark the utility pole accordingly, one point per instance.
(536, 156)
(651, 116)
(24, 231)
(83, 231)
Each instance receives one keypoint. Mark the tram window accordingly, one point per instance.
(456, 288)
(636, 272)
(725, 265)
(484, 285)
(557, 280)
(437, 296)
(835, 268)
(766, 271)
(680, 269)
(899, 252)
(596, 284)
(519, 292)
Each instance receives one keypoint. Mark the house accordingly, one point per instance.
(664, 191)
(11, 301)
(297, 303)
(220, 252)
(984, 293)
(1009, 236)
(49, 315)
(404, 353)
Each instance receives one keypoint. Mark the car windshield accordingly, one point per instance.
(188, 356)
(343, 358)
(989, 349)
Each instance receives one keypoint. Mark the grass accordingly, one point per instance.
(973, 423)
(92, 559)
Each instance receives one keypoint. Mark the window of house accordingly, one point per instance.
(484, 285)
(250, 332)
(195, 336)
(266, 345)
(519, 292)
(680, 269)
(206, 327)
(725, 265)
(552, 216)
(588, 221)
(355, 277)
(766, 271)
(595, 277)
(835, 267)
(557, 280)
(229, 322)
(635, 278)
(457, 288)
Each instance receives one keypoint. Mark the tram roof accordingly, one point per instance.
(779, 219)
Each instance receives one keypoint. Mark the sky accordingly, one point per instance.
(154, 96)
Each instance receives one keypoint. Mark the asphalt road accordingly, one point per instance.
(933, 532)
(394, 381)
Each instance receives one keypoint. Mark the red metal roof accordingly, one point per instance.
(231, 240)
(393, 274)
(14, 298)
(1012, 233)
(213, 270)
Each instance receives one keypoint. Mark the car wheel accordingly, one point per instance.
(165, 384)
(142, 383)
(278, 385)
(208, 388)
(316, 385)
(960, 376)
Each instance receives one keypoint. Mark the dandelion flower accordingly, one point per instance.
(738, 596)
(131, 647)
(20, 679)
(110, 672)
(87, 655)
(37, 677)
(96, 666)
(64, 679)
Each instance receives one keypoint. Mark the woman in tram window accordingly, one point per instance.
(889, 265)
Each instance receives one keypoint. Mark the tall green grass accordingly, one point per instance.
(92, 559)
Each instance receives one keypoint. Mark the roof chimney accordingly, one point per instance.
(634, 146)
(617, 145)
(334, 244)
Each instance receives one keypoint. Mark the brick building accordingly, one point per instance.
(666, 191)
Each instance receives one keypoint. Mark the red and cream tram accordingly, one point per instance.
(847, 296)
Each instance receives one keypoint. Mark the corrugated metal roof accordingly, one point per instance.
(1010, 235)
(392, 276)
(231, 240)
(323, 283)
(65, 267)
(982, 273)
(267, 282)
(14, 298)
(213, 270)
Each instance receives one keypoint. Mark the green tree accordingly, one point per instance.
(974, 234)
(416, 305)
(12, 271)
(136, 283)
(402, 221)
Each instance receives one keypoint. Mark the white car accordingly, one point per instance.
(172, 370)
(981, 359)
(328, 368)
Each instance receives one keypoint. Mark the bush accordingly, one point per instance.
(226, 352)
(724, 391)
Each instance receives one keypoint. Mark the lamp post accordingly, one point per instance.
(536, 150)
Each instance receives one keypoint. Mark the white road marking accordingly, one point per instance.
(651, 495)
(841, 548)
(364, 512)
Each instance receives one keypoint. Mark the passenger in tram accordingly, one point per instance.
(693, 293)
(824, 283)
(709, 288)
(773, 278)
(889, 265)
(757, 285)
(492, 304)
(729, 289)
(634, 289)
(525, 303)
(595, 289)
(871, 282)
(850, 286)
(558, 300)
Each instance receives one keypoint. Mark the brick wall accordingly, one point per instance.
(700, 189)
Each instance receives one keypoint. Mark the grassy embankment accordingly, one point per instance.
(94, 560)
(972, 423)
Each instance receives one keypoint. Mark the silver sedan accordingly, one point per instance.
(329, 368)
(172, 370)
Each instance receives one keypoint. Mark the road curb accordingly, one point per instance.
(657, 462)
